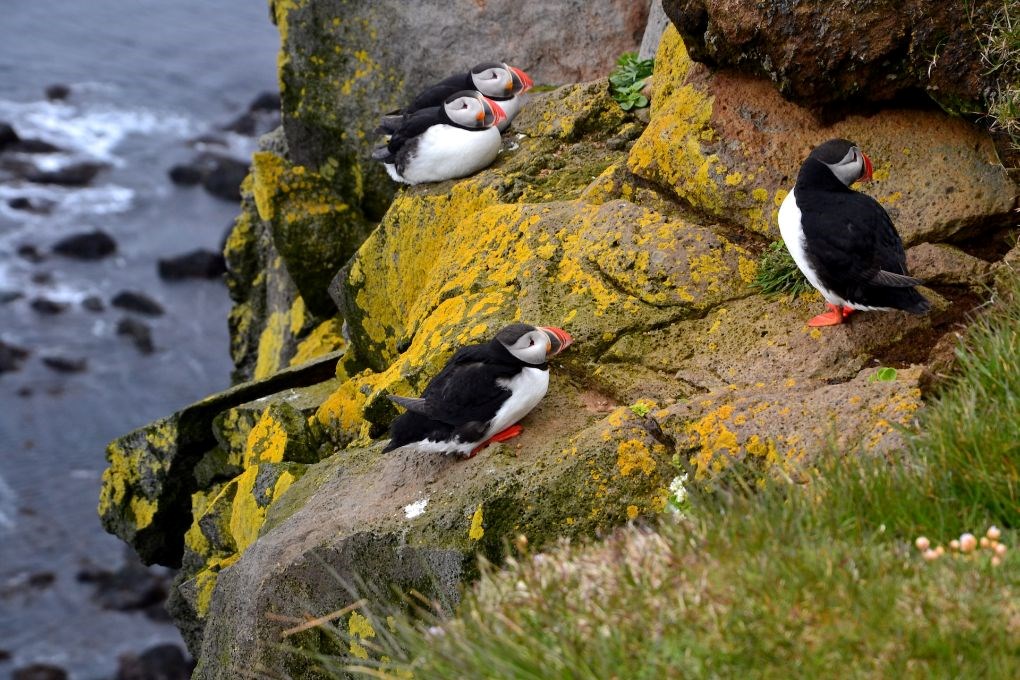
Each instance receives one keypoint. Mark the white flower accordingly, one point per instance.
(677, 489)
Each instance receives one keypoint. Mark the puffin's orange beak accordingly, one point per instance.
(559, 339)
(866, 176)
(522, 83)
(493, 109)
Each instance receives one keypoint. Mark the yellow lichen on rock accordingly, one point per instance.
(325, 338)
(476, 531)
(267, 441)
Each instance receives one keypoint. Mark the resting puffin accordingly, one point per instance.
(444, 142)
(481, 393)
(500, 82)
(843, 241)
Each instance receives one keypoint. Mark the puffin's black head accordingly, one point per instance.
(531, 344)
(845, 159)
(499, 80)
(470, 110)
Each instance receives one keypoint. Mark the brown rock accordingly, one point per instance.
(944, 264)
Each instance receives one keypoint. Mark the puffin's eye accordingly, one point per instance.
(532, 342)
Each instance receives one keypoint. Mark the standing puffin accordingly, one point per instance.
(444, 142)
(499, 82)
(843, 241)
(481, 393)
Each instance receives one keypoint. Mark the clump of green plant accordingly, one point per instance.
(628, 79)
(1000, 50)
(778, 273)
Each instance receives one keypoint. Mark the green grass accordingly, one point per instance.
(1000, 50)
(778, 273)
(812, 580)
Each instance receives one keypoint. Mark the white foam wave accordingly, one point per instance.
(8, 501)
(102, 200)
(92, 130)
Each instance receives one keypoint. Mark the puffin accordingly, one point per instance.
(480, 394)
(502, 83)
(843, 240)
(444, 142)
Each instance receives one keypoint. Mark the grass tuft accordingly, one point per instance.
(778, 273)
(1000, 51)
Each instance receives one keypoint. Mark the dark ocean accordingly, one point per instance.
(146, 77)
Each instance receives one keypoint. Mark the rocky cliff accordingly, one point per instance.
(640, 233)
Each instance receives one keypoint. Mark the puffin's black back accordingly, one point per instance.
(462, 398)
(435, 95)
(849, 239)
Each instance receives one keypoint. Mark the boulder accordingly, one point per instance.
(7, 135)
(139, 303)
(77, 174)
(162, 662)
(729, 145)
(39, 671)
(63, 364)
(186, 174)
(138, 332)
(941, 263)
(47, 306)
(93, 303)
(92, 245)
(822, 53)
(36, 206)
(195, 264)
(224, 176)
(29, 252)
(11, 357)
(57, 92)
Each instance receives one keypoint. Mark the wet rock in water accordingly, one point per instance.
(10, 296)
(186, 175)
(133, 587)
(29, 252)
(138, 332)
(58, 92)
(7, 135)
(90, 245)
(42, 278)
(93, 303)
(34, 146)
(74, 175)
(47, 306)
(265, 101)
(39, 671)
(42, 579)
(162, 662)
(37, 206)
(11, 357)
(4, 655)
(224, 178)
(65, 364)
(197, 264)
(137, 302)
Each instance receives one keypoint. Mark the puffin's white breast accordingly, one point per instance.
(526, 389)
(448, 152)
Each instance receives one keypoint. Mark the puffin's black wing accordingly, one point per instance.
(856, 250)
(850, 236)
(435, 95)
(412, 125)
(466, 390)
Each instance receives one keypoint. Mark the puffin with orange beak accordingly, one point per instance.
(480, 394)
(444, 142)
(502, 83)
(844, 241)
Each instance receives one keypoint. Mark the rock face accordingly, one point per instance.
(821, 53)
(638, 235)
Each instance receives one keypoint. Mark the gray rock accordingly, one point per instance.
(657, 23)
(137, 302)
(92, 245)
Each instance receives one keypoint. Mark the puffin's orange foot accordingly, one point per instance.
(502, 436)
(833, 317)
(508, 433)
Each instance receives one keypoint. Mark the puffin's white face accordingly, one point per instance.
(852, 167)
(467, 111)
(531, 348)
(494, 81)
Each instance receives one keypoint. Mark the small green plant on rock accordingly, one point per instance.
(778, 273)
(628, 79)
(1000, 50)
